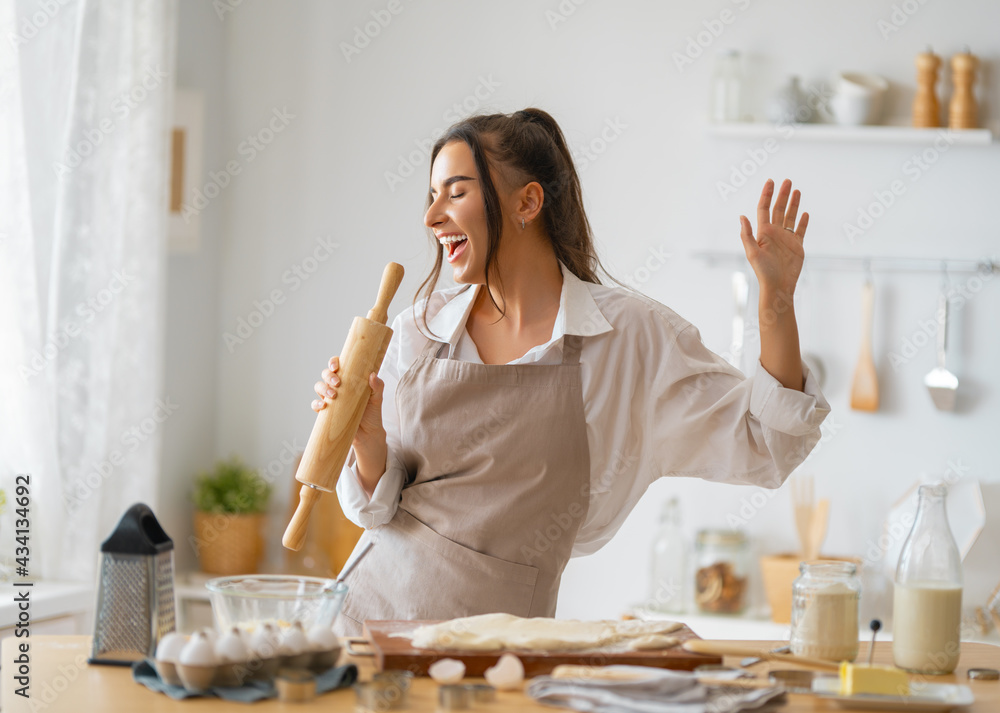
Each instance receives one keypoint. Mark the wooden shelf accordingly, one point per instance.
(855, 134)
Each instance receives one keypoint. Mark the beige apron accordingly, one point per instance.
(498, 484)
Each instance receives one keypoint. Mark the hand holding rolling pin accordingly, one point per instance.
(369, 442)
(339, 427)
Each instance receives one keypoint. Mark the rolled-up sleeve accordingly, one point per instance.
(354, 501)
(712, 422)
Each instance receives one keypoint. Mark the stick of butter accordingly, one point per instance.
(882, 680)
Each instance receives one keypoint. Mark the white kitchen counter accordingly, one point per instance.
(49, 600)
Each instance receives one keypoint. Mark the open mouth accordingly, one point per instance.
(454, 244)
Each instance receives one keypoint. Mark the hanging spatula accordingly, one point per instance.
(940, 382)
(864, 389)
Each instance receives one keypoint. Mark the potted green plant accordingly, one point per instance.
(229, 519)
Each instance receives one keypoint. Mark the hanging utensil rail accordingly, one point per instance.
(869, 263)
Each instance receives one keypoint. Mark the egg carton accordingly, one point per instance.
(210, 665)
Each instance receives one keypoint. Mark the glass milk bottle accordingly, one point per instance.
(927, 598)
(669, 562)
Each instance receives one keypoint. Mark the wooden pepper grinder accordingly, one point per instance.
(926, 110)
(962, 110)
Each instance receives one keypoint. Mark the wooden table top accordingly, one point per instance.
(63, 681)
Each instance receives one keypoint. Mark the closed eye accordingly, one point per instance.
(458, 195)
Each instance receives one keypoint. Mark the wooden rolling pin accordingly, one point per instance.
(725, 648)
(337, 424)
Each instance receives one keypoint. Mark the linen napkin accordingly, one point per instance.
(145, 673)
(649, 690)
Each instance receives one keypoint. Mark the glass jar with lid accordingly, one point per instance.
(722, 566)
(825, 610)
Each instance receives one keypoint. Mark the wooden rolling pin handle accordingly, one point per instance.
(295, 533)
(391, 278)
(720, 648)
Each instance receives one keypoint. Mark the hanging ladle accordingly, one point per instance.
(940, 382)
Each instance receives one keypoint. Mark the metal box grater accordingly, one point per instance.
(135, 596)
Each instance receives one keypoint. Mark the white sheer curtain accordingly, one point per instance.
(86, 92)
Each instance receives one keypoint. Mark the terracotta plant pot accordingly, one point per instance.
(228, 544)
(779, 572)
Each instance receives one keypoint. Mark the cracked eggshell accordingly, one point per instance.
(447, 671)
(507, 675)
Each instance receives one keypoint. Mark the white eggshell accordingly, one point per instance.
(169, 648)
(322, 638)
(293, 640)
(507, 675)
(197, 652)
(447, 671)
(264, 641)
(230, 647)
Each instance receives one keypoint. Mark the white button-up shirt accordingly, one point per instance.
(657, 403)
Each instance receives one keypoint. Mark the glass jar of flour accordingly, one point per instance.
(825, 611)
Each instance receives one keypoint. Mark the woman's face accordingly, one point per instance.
(457, 213)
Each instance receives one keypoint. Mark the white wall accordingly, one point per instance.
(189, 436)
(652, 188)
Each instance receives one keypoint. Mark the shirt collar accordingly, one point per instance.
(578, 312)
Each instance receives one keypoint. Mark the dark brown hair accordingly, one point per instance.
(525, 146)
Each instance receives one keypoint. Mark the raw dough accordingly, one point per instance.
(499, 632)
(652, 642)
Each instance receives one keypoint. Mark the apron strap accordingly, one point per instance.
(434, 349)
(572, 343)
(571, 349)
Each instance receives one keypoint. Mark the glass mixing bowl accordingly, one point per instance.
(249, 600)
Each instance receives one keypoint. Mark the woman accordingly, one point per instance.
(521, 415)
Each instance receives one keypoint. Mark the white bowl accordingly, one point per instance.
(858, 98)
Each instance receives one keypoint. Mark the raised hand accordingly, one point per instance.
(776, 253)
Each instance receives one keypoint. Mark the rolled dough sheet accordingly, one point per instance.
(501, 632)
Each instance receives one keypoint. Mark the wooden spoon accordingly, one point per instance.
(864, 389)
(817, 529)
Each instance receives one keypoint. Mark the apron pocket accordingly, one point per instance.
(415, 573)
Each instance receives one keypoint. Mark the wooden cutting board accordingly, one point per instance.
(397, 652)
